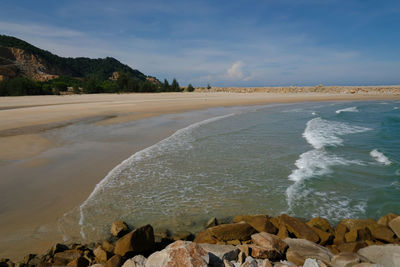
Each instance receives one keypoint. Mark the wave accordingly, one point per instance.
(180, 139)
(319, 133)
(380, 157)
(351, 109)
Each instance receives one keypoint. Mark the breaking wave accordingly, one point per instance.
(351, 109)
(380, 157)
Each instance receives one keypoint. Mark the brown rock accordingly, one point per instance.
(351, 236)
(119, 228)
(298, 228)
(259, 252)
(382, 233)
(107, 246)
(138, 241)
(79, 262)
(261, 223)
(322, 224)
(356, 223)
(272, 243)
(179, 253)
(364, 234)
(324, 237)
(351, 247)
(301, 249)
(65, 257)
(395, 226)
(333, 249)
(340, 234)
(385, 220)
(233, 242)
(212, 222)
(183, 235)
(114, 261)
(275, 222)
(282, 232)
(100, 255)
(226, 232)
(205, 237)
(58, 248)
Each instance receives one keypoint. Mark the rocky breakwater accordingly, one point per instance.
(249, 240)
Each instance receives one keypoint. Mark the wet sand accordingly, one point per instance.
(54, 149)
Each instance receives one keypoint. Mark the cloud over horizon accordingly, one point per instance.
(229, 43)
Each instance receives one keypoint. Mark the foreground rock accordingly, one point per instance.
(301, 249)
(298, 228)
(225, 233)
(119, 228)
(274, 247)
(179, 253)
(139, 241)
(386, 255)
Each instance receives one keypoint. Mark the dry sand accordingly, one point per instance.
(37, 188)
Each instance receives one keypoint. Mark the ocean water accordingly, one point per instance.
(334, 160)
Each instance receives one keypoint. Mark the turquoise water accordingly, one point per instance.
(332, 160)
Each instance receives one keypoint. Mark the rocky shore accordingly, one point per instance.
(247, 241)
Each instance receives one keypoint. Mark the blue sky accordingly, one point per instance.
(224, 43)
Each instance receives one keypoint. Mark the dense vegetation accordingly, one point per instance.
(78, 75)
(90, 85)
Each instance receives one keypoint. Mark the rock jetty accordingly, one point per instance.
(248, 241)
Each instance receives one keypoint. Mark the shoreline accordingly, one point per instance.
(126, 108)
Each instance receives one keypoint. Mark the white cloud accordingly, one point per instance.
(235, 71)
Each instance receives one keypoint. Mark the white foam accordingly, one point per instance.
(320, 132)
(380, 157)
(317, 162)
(396, 108)
(351, 109)
(180, 138)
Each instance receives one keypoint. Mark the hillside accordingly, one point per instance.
(19, 58)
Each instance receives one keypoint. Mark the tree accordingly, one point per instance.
(190, 88)
(208, 86)
(165, 86)
(175, 86)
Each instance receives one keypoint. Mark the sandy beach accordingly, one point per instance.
(50, 162)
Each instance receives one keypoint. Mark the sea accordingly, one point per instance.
(328, 159)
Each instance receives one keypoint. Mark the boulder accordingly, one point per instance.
(301, 249)
(260, 252)
(114, 261)
(351, 247)
(282, 232)
(351, 236)
(205, 237)
(183, 235)
(119, 228)
(395, 226)
(382, 233)
(261, 223)
(272, 243)
(385, 255)
(313, 263)
(179, 253)
(226, 232)
(385, 220)
(324, 237)
(356, 223)
(107, 246)
(366, 264)
(298, 228)
(321, 223)
(212, 222)
(58, 248)
(79, 262)
(137, 261)
(100, 254)
(65, 257)
(345, 259)
(340, 233)
(222, 252)
(138, 241)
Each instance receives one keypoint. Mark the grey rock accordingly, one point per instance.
(385, 255)
(395, 226)
(219, 253)
(345, 259)
(137, 261)
(307, 249)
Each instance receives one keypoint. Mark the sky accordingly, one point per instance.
(220, 42)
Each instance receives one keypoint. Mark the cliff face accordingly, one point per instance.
(31, 66)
